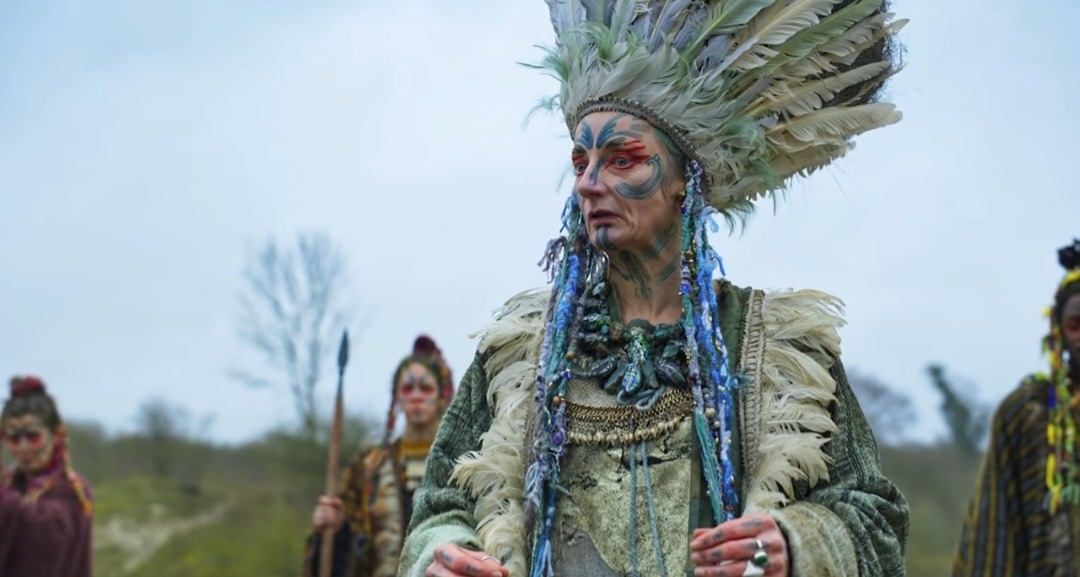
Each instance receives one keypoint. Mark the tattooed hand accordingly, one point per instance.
(453, 561)
(725, 550)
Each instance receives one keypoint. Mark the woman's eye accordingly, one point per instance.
(621, 162)
(579, 168)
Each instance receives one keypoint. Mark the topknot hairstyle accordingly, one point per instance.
(29, 397)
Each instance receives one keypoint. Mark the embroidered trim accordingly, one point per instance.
(752, 352)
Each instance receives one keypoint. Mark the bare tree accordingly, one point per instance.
(172, 437)
(890, 413)
(293, 308)
(968, 420)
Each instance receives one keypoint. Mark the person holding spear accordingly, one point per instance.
(371, 509)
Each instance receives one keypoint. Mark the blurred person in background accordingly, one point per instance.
(372, 509)
(1025, 516)
(45, 506)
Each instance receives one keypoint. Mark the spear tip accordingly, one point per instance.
(343, 352)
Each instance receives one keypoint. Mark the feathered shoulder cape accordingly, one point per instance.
(788, 345)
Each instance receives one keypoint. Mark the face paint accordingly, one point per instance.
(619, 166)
(418, 395)
(647, 188)
(32, 436)
(30, 442)
(603, 238)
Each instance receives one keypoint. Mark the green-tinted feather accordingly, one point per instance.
(725, 18)
(805, 42)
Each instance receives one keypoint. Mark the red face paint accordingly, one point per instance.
(33, 437)
(629, 156)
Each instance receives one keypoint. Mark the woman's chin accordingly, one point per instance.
(605, 240)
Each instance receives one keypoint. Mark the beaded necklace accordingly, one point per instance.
(635, 362)
(636, 371)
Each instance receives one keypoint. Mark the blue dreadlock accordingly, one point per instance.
(570, 262)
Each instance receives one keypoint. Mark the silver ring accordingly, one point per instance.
(485, 558)
(760, 545)
(753, 571)
(760, 559)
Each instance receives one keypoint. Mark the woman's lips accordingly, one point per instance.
(599, 217)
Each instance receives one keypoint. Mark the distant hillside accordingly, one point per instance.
(146, 528)
(938, 482)
(249, 511)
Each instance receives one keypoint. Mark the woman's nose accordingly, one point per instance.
(589, 183)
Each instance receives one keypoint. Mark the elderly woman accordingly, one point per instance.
(372, 509)
(45, 507)
(641, 417)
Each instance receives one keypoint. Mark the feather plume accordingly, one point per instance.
(796, 390)
(804, 42)
(837, 122)
(792, 19)
(495, 474)
(813, 95)
(670, 15)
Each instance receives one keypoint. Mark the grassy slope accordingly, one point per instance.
(217, 532)
(263, 529)
(937, 482)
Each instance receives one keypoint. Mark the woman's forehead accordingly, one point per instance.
(416, 370)
(1072, 306)
(595, 124)
(24, 421)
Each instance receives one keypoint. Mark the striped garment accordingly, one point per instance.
(1008, 531)
(378, 504)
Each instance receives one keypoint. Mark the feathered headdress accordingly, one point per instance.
(756, 91)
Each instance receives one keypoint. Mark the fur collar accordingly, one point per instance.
(785, 407)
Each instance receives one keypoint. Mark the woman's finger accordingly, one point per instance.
(730, 530)
(467, 563)
(739, 550)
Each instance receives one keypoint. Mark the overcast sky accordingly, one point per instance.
(144, 147)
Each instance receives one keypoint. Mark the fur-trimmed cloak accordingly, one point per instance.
(808, 456)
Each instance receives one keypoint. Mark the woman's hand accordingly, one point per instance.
(727, 550)
(453, 561)
(328, 514)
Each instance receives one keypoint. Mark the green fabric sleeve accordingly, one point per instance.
(443, 512)
(856, 523)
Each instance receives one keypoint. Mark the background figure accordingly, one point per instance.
(374, 504)
(45, 506)
(641, 417)
(1023, 517)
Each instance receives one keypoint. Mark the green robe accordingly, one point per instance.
(822, 482)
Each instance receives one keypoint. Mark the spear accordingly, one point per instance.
(326, 555)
